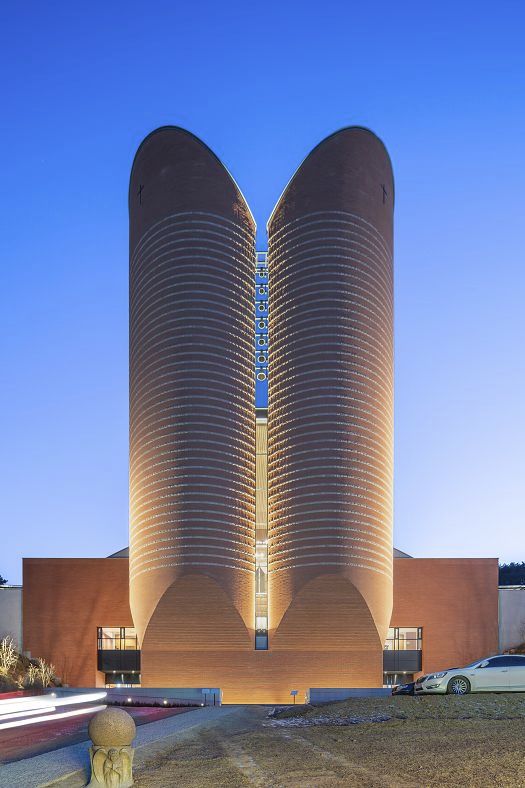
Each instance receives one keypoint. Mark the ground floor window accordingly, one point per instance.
(404, 639)
(117, 639)
(115, 679)
(403, 652)
(393, 679)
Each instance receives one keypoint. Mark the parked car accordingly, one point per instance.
(500, 673)
(403, 689)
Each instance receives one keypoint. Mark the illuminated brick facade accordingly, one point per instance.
(192, 430)
(260, 555)
(330, 440)
(454, 601)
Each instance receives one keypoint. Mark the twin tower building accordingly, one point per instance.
(261, 540)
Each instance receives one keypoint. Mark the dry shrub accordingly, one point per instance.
(8, 655)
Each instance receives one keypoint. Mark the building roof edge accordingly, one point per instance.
(322, 142)
(201, 142)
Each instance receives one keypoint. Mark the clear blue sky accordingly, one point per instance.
(442, 84)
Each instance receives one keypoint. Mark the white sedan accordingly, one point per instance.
(501, 673)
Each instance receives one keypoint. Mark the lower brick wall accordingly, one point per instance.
(65, 600)
(262, 676)
(196, 638)
(455, 600)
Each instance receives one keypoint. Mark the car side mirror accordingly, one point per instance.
(483, 664)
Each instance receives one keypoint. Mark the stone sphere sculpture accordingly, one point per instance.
(112, 726)
(112, 732)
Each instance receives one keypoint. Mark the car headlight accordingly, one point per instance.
(436, 675)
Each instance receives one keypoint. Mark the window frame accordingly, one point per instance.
(395, 639)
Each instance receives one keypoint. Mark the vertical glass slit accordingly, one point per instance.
(261, 451)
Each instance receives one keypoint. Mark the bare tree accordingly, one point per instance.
(8, 654)
(32, 673)
(46, 671)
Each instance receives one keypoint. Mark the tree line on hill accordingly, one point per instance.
(512, 574)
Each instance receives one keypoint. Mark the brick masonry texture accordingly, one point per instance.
(192, 426)
(65, 600)
(330, 424)
(454, 600)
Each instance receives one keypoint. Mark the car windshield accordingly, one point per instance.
(475, 664)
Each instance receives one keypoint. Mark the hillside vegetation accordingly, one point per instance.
(18, 672)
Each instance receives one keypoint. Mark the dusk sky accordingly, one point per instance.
(442, 84)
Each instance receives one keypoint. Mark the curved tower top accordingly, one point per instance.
(359, 142)
(169, 157)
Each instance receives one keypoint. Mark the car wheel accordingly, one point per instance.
(459, 685)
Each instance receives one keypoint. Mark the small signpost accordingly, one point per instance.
(294, 693)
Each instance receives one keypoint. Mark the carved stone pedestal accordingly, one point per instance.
(112, 732)
(111, 767)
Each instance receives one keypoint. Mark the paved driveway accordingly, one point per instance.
(28, 741)
(69, 766)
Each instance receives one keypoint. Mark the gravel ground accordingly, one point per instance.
(477, 741)
(490, 706)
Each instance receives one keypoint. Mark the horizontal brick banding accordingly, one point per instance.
(331, 387)
(192, 431)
